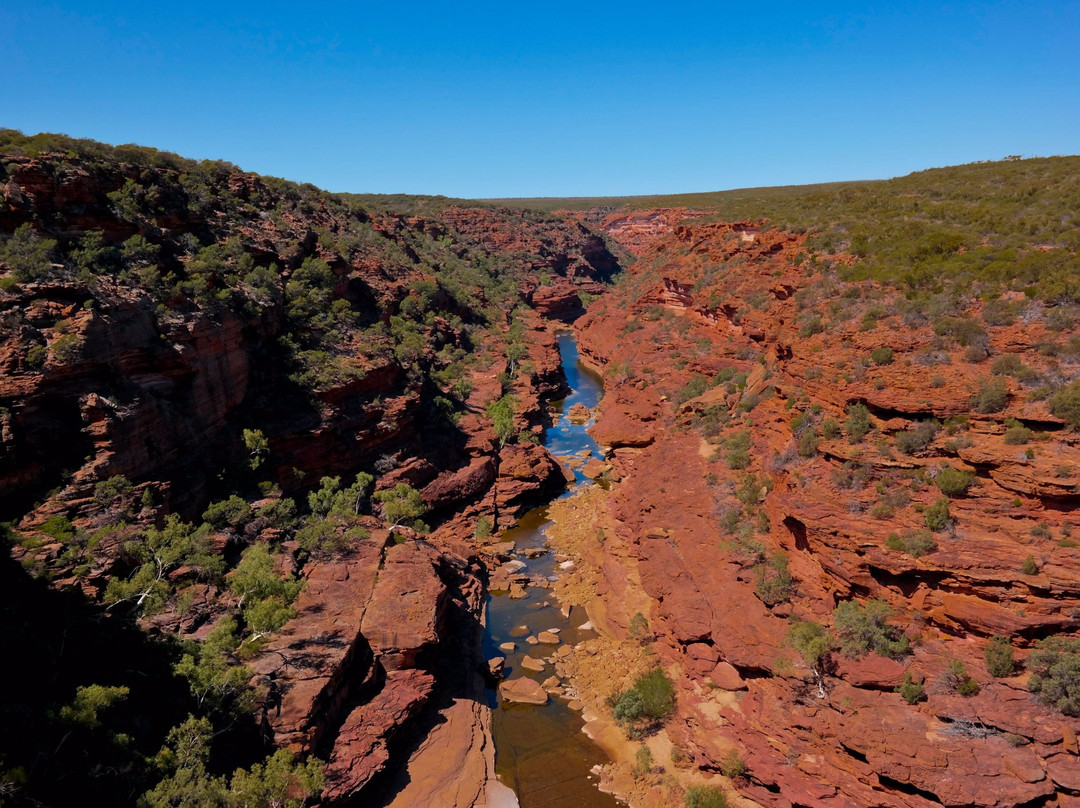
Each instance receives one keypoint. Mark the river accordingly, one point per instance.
(541, 752)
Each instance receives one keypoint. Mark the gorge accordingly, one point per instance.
(272, 460)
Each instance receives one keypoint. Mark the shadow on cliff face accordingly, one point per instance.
(56, 641)
(457, 664)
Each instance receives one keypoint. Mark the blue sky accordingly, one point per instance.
(552, 99)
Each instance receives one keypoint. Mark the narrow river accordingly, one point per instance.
(541, 752)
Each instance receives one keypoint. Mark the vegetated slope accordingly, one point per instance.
(226, 404)
(992, 224)
(850, 495)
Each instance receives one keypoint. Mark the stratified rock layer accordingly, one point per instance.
(710, 346)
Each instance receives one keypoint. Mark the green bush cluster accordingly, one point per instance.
(646, 704)
(999, 657)
(860, 628)
(1055, 673)
(953, 482)
(910, 690)
(774, 582)
(857, 424)
(915, 544)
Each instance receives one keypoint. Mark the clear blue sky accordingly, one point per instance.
(484, 99)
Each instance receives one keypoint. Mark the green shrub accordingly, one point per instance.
(232, 512)
(67, 349)
(863, 628)
(27, 255)
(738, 459)
(830, 428)
(882, 356)
(808, 443)
(1016, 434)
(957, 679)
(705, 797)
(732, 765)
(999, 657)
(401, 504)
(774, 582)
(992, 396)
(1029, 567)
(483, 527)
(937, 516)
(1006, 365)
(953, 482)
(1000, 312)
(882, 510)
(1065, 404)
(1055, 673)
(58, 527)
(639, 627)
(323, 538)
(281, 513)
(915, 544)
(107, 490)
(812, 641)
(857, 423)
(646, 704)
(810, 324)
(36, 356)
(918, 437)
(697, 385)
(643, 762)
(911, 691)
(962, 329)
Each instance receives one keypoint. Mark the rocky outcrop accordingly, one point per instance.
(715, 368)
(148, 370)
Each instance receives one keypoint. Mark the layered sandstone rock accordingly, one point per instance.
(690, 314)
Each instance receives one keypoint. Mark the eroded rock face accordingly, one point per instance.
(696, 522)
(383, 653)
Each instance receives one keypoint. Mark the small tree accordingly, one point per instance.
(156, 554)
(857, 423)
(992, 396)
(774, 582)
(28, 255)
(732, 765)
(999, 657)
(937, 515)
(957, 679)
(643, 762)
(813, 642)
(401, 503)
(882, 356)
(257, 445)
(646, 704)
(501, 413)
(265, 596)
(861, 628)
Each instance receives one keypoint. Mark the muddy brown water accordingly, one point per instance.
(541, 752)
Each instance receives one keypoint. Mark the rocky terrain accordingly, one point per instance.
(784, 443)
(197, 363)
(257, 441)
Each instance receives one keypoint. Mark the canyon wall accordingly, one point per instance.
(749, 498)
